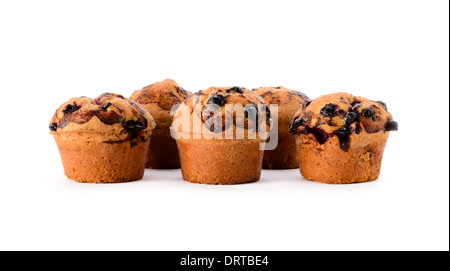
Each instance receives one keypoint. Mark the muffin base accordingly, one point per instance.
(225, 161)
(101, 162)
(163, 151)
(328, 163)
(284, 156)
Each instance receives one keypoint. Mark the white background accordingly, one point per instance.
(394, 51)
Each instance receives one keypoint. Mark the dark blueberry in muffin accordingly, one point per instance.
(391, 126)
(343, 133)
(133, 127)
(53, 126)
(182, 91)
(139, 125)
(320, 134)
(301, 95)
(382, 104)
(350, 117)
(105, 107)
(268, 114)
(344, 137)
(356, 105)
(251, 112)
(329, 110)
(253, 109)
(70, 108)
(131, 124)
(295, 124)
(211, 123)
(306, 103)
(367, 112)
(236, 89)
(218, 99)
(358, 128)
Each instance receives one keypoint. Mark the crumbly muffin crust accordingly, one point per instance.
(159, 99)
(344, 116)
(280, 95)
(110, 114)
(166, 94)
(288, 101)
(201, 104)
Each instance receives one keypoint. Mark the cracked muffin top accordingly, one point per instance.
(221, 108)
(342, 115)
(108, 113)
(288, 101)
(159, 98)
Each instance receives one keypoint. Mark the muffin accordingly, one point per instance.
(341, 138)
(220, 135)
(158, 99)
(284, 156)
(102, 140)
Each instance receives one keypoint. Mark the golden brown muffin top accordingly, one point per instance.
(287, 100)
(342, 115)
(109, 108)
(159, 98)
(166, 94)
(281, 95)
(215, 105)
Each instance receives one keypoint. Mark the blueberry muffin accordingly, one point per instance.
(158, 99)
(220, 135)
(102, 140)
(341, 138)
(284, 156)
